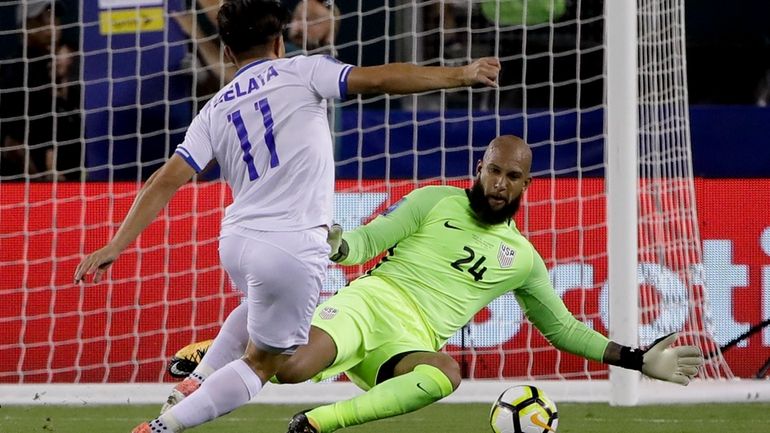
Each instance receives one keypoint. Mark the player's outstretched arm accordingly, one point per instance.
(659, 361)
(406, 78)
(153, 197)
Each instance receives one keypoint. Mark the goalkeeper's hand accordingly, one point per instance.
(186, 359)
(672, 364)
(339, 248)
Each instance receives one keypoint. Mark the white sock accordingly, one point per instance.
(229, 344)
(165, 425)
(228, 388)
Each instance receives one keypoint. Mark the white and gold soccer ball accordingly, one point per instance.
(523, 409)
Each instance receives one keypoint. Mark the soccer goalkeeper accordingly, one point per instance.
(450, 252)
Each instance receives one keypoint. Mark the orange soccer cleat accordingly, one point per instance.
(142, 428)
(180, 391)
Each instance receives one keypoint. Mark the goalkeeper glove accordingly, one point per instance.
(660, 361)
(186, 359)
(339, 247)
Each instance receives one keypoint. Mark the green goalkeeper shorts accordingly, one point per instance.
(370, 321)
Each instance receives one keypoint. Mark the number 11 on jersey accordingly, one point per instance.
(243, 136)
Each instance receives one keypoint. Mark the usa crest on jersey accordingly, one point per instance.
(328, 313)
(505, 256)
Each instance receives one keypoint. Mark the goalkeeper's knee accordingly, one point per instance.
(435, 382)
(442, 363)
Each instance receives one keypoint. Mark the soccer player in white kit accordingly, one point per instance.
(269, 131)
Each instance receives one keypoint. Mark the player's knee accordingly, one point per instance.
(264, 363)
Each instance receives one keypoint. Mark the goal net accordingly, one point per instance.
(136, 71)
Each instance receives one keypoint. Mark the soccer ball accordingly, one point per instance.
(523, 409)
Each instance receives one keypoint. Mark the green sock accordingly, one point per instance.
(397, 396)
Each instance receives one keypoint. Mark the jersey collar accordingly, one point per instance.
(250, 65)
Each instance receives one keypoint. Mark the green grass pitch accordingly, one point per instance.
(438, 418)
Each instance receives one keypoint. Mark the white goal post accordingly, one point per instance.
(621, 124)
(597, 88)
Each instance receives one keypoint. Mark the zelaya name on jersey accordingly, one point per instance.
(268, 130)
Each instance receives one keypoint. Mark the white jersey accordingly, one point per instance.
(269, 131)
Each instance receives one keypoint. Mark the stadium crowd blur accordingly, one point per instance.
(311, 31)
(40, 100)
(44, 134)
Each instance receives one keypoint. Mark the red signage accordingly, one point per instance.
(169, 290)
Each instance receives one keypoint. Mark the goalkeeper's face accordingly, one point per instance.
(489, 209)
(503, 175)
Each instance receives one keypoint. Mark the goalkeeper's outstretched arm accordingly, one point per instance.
(659, 361)
(552, 318)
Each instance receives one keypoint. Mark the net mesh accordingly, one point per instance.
(672, 287)
(139, 71)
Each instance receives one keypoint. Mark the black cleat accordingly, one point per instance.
(300, 424)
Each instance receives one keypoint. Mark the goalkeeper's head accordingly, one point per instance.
(502, 176)
(252, 29)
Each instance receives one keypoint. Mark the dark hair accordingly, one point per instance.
(245, 24)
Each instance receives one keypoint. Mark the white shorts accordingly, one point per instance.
(281, 274)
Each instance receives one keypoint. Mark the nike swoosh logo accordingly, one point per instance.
(535, 418)
(450, 226)
(174, 370)
(419, 385)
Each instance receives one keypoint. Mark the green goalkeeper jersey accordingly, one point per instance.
(450, 266)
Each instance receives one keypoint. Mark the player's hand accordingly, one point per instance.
(334, 239)
(96, 263)
(672, 364)
(483, 71)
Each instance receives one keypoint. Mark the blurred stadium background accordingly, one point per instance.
(100, 109)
